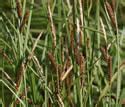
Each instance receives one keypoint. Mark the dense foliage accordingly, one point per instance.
(62, 53)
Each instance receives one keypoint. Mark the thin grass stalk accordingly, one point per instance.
(8, 77)
(74, 11)
(10, 22)
(60, 101)
(34, 46)
(18, 34)
(98, 23)
(90, 71)
(104, 31)
(66, 73)
(87, 62)
(13, 92)
(3, 87)
(45, 49)
(23, 9)
(68, 31)
(24, 21)
(53, 30)
(119, 73)
(13, 42)
(74, 17)
(5, 43)
(89, 52)
(58, 89)
(25, 87)
(94, 30)
(60, 15)
(78, 32)
(28, 26)
(89, 7)
(52, 60)
(72, 40)
(33, 87)
(46, 93)
(38, 66)
(81, 21)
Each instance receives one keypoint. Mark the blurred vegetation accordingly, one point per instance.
(62, 53)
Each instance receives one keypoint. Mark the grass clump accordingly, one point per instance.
(62, 53)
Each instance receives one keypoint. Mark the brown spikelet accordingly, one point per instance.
(19, 9)
(62, 48)
(20, 74)
(104, 53)
(52, 60)
(108, 60)
(110, 68)
(82, 69)
(24, 21)
(57, 68)
(111, 14)
(77, 55)
(113, 5)
(81, 62)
